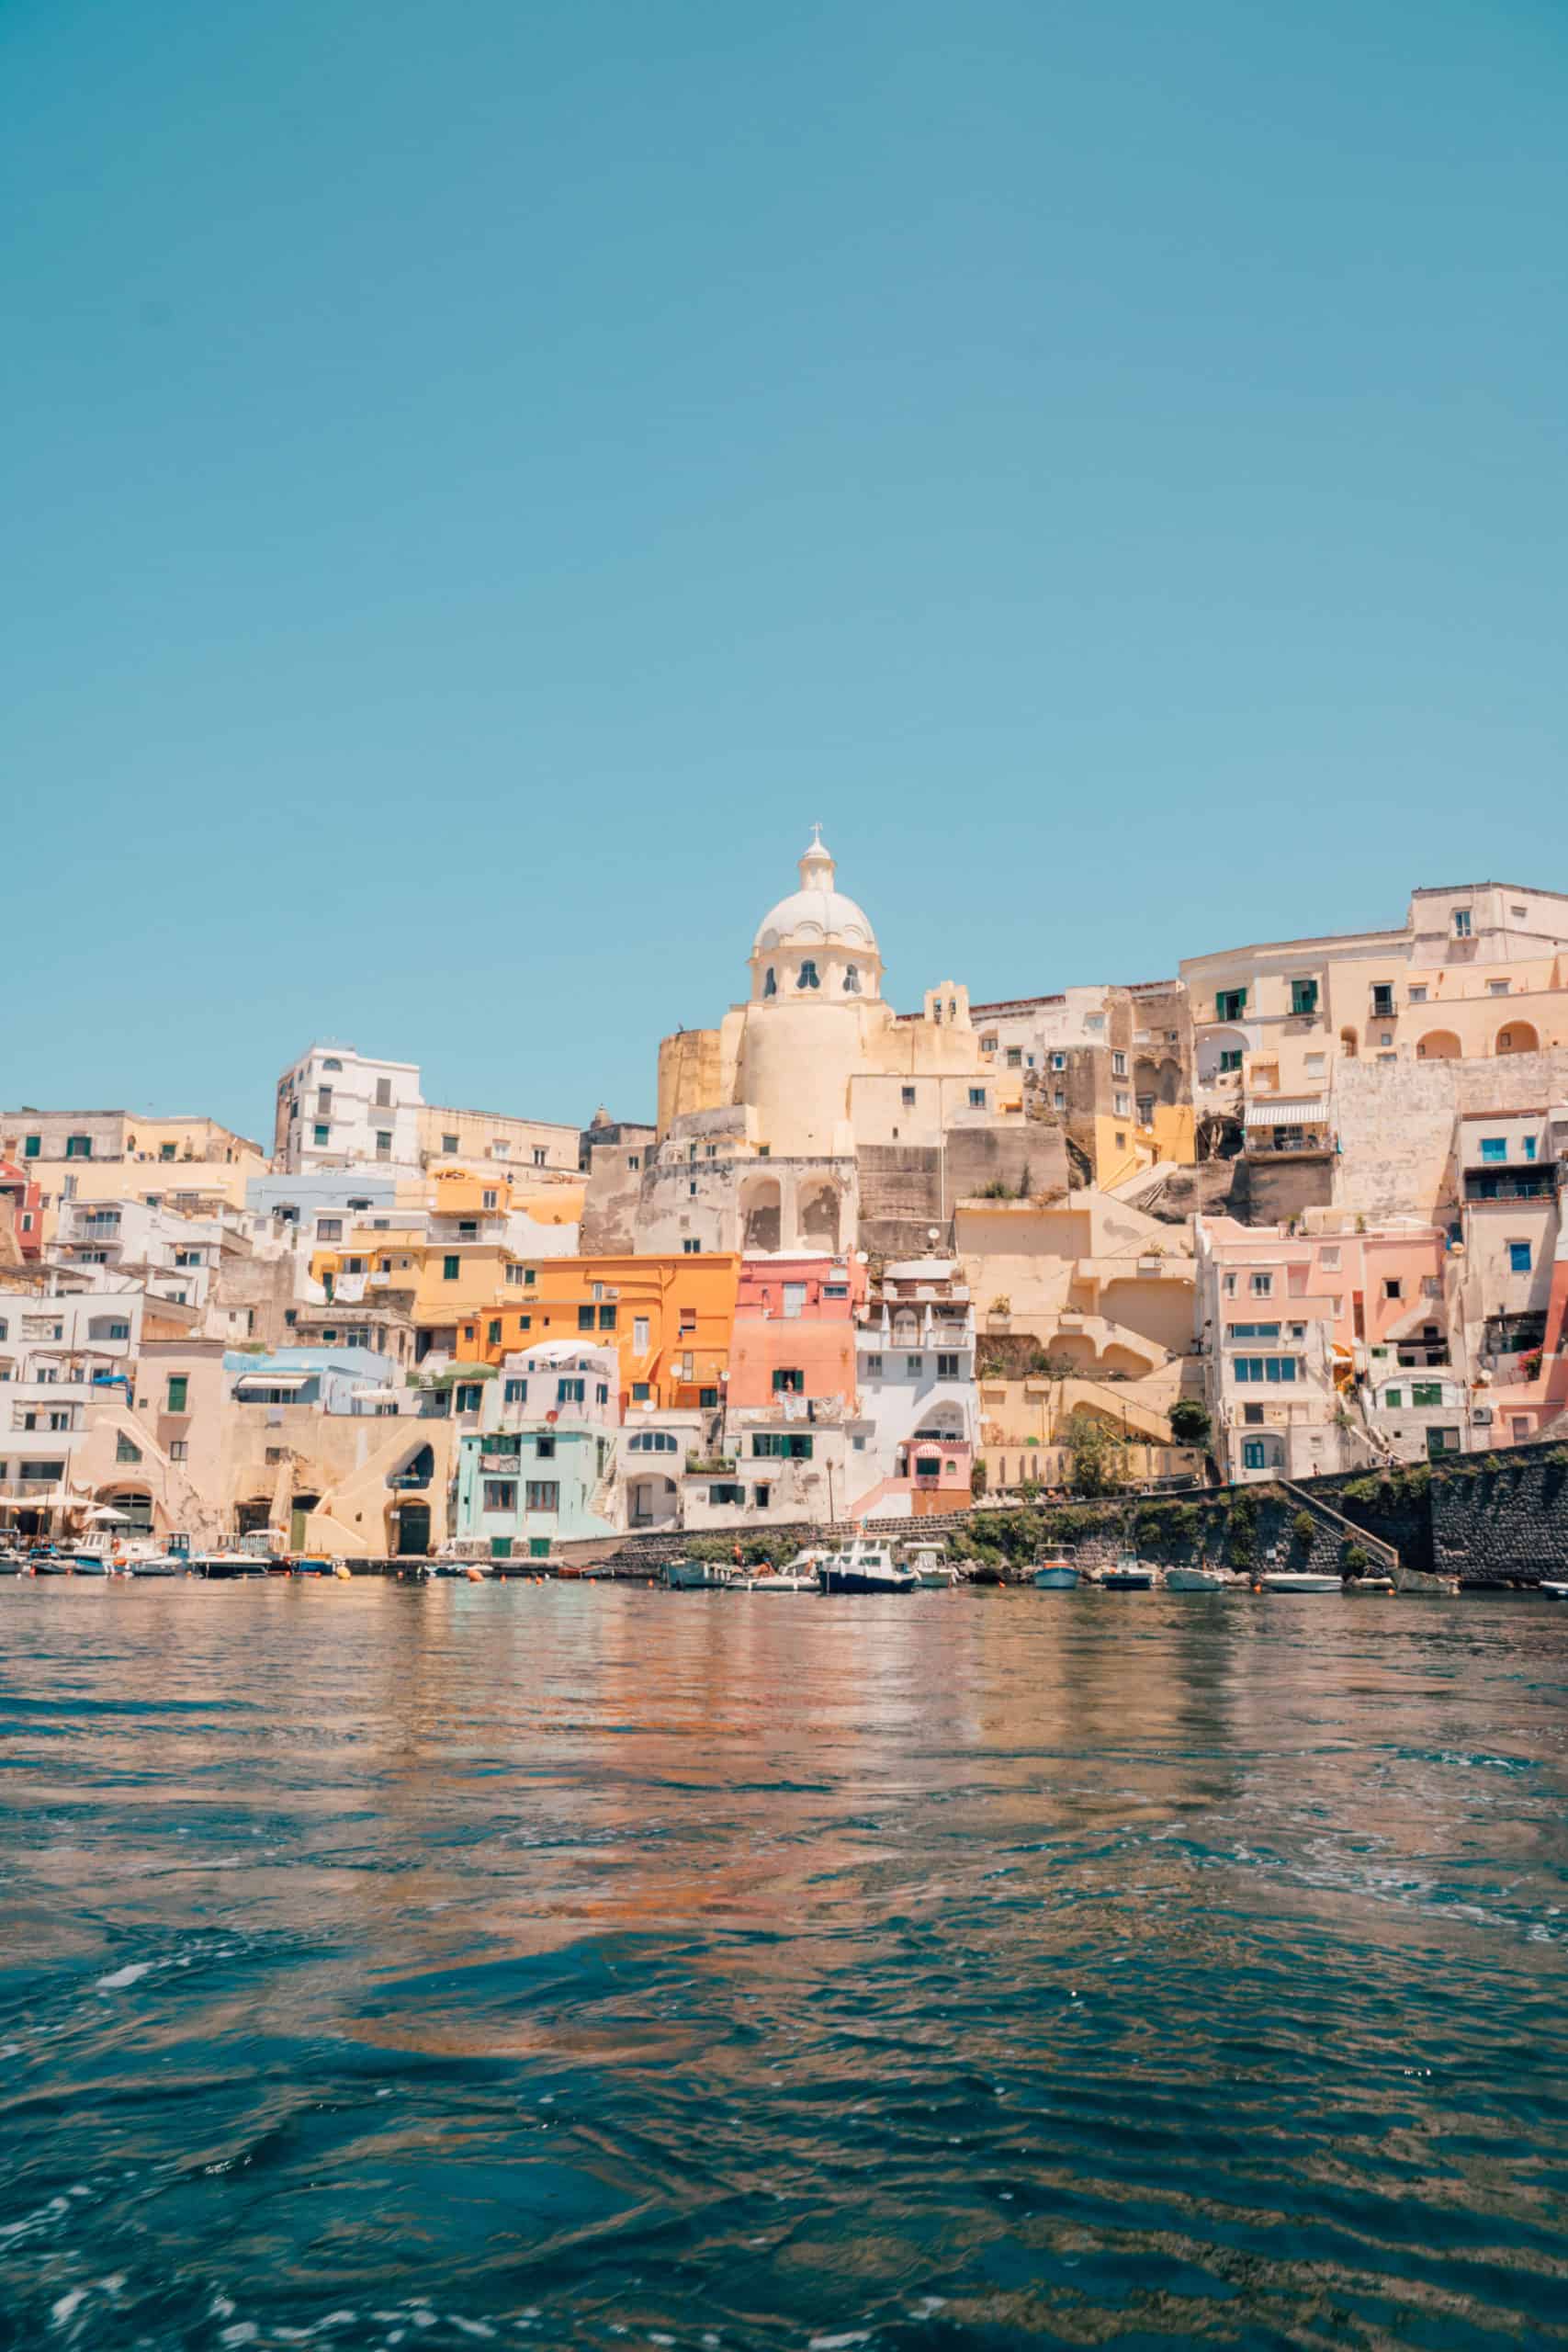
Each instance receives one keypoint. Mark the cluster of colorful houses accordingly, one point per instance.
(860, 1263)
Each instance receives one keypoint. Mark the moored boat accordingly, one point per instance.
(1554, 1591)
(866, 1567)
(1197, 1579)
(1057, 1572)
(1299, 1580)
(1129, 1575)
(227, 1567)
(693, 1575)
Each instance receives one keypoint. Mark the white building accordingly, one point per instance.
(337, 1108)
(915, 1432)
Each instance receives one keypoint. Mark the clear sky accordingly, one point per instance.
(478, 480)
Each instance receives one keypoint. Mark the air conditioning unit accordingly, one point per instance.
(1481, 1416)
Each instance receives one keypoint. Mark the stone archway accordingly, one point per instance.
(819, 1221)
(1437, 1046)
(762, 1213)
(1519, 1037)
(1348, 1044)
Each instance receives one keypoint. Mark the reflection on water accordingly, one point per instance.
(462, 1964)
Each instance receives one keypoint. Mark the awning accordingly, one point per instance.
(1314, 1113)
(274, 1379)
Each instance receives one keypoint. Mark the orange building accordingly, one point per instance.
(670, 1317)
(795, 1331)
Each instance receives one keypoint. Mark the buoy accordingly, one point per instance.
(342, 1572)
(474, 1575)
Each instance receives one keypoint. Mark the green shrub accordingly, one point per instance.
(1303, 1527)
(1356, 1559)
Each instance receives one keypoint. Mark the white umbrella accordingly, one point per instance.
(106, 1517)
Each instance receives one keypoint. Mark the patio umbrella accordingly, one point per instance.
(105, 1517)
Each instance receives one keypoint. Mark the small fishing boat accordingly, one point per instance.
(167, 1563)
(1368, 1584)
(1299, 1580)
(693, 1575)
(1057, 1572)
(1554, 1591)
(934, 1570)
(1197, 1579)
(784, 1580)
(1129, 1575)
(864, 1567)
(227, 1568)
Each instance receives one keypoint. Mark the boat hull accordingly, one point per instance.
(1300, 1580)
(1056, 1579)
(1195, 1580)
(1127, 1579)
(862, 1580)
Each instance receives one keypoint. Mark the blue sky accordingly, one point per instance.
(480, 481)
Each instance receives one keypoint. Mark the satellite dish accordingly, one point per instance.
(552, 1416)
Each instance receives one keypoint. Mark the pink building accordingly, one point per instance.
(795, 1331)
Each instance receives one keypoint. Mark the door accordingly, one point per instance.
(413, 1530)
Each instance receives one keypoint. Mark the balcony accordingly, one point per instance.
(408, 1481)
(499, 1459)
(716, 1465)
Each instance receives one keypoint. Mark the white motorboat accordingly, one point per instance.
(1197, 1579)
(1554, 1591)
(1299, 1580)
(782, 1580)
(865, 1566)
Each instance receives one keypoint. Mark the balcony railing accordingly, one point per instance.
(408, 1481)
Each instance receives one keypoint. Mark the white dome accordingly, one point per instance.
(816, 911)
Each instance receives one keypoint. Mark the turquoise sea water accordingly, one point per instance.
(535, 1966)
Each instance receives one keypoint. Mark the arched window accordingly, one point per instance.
(852, 980)
(770, 982)
(808, 979)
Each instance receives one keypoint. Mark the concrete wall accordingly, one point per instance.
(1395, 1123)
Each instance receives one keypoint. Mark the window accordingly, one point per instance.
(1230, 1058)
(976, 1098)
(1265, 1369)
(1015, 1057)
(707, 1397)
(1252, 1330)
(1493, 1146)
(808, 979)
(179, 1384)
(782, 1444)
(449, 1142)
(321, 1135)
(1303, 996)
(1146, 1108)
(1519, 1257)
(383, 1143)
(641, 1392)
(450, 1268)
(988, 1044)
(874, 1367)
(1261, 1286)
(330, 1062)
(499, 1149)
(323, 1111)
(1418, 994)
(1394, 1287)
(1059, 1100)
(31, 1146)
(726, 1493)
(540, 1155)
(1461, 923)
(78, 1147)
(493, 1330)
(914, 1363)
(570, 1392)
(789, 1382)
(1497, 987)
(761, 1497)
(606, 1319)
(166, 1151)
(1229, 1285)
(1255, 1454)
(1120, 1106)
(1229, 1004)
(489, 1200)
(634, 1161)
(770, 982)
(1058, 1061)
(179, 1450)
(1442, 1441)
(468, 1395)
(692, 1248)
(328, 1228)
(194, 1258)
(1426, 1392)
(1382, 998)
(947, 1367)
(602, 1392)
(907, 1096)
(928, 1466)
(852, 980)
(383, 1093)
(1394, 1400)
(124, 1449)
(543, 1494)
(585, 1319)
(1520, 914)
(1118, 1064)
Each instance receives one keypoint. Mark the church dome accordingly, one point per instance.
(815, 913)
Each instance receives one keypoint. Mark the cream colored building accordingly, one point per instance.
(813, 1113)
